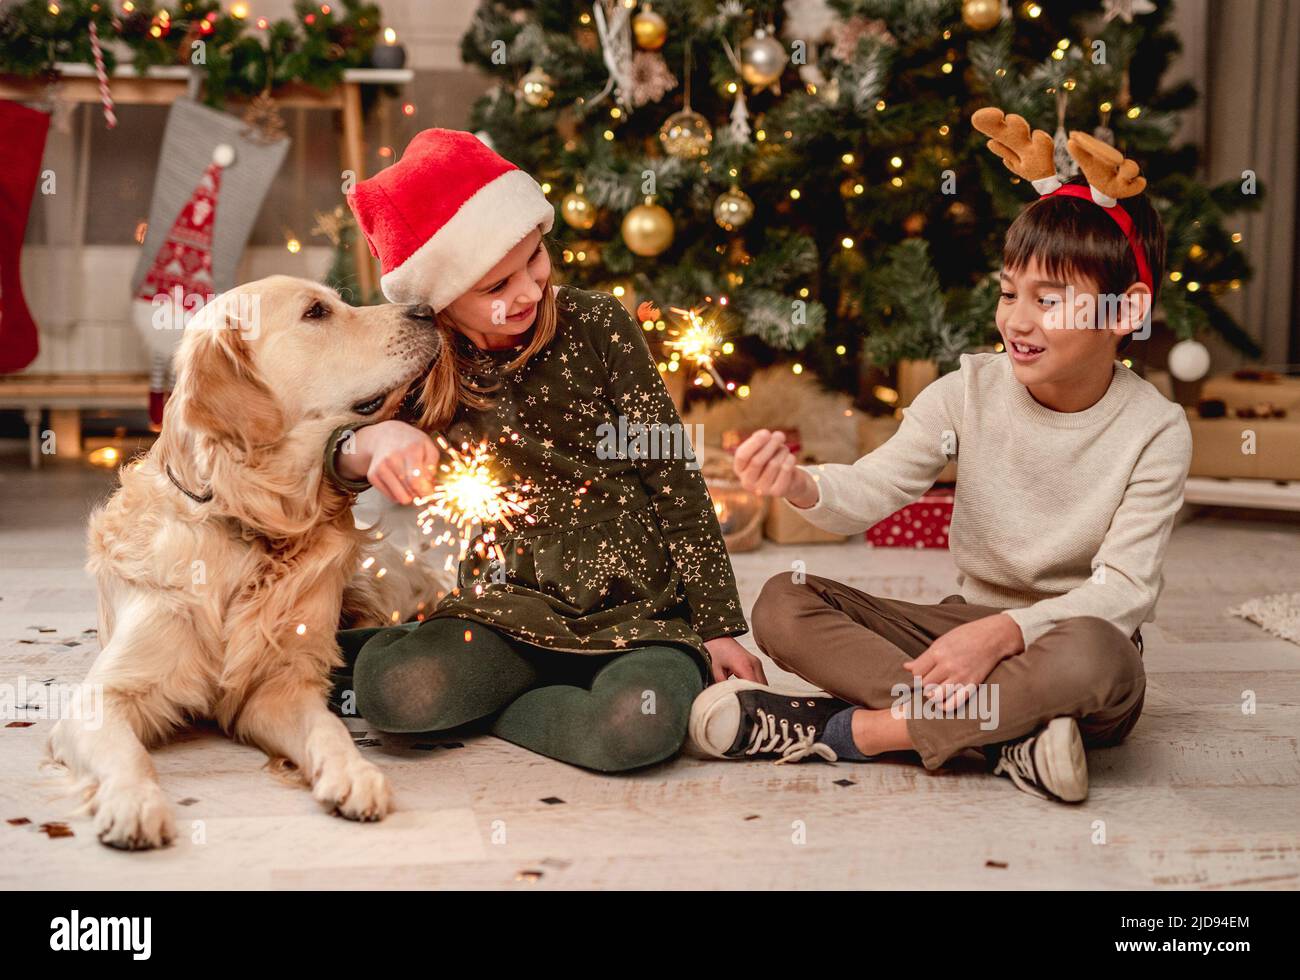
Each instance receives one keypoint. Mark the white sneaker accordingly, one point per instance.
(1049, 764)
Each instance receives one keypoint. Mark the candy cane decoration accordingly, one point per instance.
(105, 96)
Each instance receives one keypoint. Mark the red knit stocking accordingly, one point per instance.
(20, 165)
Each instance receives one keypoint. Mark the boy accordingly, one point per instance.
(1071, 474)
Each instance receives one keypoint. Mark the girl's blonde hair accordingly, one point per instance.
(451, 381)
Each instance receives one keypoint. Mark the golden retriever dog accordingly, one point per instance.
(223, 558)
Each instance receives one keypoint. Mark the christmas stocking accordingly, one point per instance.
(212, 180)
(20, 164)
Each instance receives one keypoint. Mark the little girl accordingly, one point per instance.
(616, 602)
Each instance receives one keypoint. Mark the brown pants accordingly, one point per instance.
(853, 645)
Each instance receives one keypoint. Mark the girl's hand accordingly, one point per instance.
(398, 459)
(730, 659)
(964, 657)
(765, 466)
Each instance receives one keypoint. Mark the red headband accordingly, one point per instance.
(1121, 218)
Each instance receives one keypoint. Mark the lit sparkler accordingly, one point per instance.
(699, 343)
(468, 494)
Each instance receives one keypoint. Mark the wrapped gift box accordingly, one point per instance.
(1247, 389)
(922, 524)
(786, 526)
(1217, 445)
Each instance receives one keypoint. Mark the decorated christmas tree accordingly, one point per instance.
(805, 172)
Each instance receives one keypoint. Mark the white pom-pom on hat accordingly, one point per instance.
(223, 155)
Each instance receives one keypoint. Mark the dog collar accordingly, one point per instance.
(206, 498)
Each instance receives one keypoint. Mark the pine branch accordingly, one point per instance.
(786, 258)
(866, 76)
(784, 322)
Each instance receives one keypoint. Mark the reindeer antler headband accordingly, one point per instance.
(1110, 175)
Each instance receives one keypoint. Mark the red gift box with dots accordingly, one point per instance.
(923, 524)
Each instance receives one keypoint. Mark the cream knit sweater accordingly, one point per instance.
(1057, 514)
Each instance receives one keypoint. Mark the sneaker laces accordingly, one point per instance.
(791, 748)
(1016, 761)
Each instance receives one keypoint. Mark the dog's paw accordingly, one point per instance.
(355, 788)
(133, 817)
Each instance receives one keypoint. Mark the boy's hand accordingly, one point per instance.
(730, 659)
(965, 656)
(398, 459)
(766, 467)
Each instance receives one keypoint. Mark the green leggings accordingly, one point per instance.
(609, 713)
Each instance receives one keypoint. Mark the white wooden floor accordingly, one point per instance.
(1202, 795)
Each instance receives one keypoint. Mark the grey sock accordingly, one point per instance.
(839, 736)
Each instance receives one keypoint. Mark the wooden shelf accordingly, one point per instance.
(66, 396)
(1225, 492)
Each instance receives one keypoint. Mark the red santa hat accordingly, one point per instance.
(444, 215)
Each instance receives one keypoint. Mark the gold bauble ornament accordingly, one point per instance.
(733, 208)
(981, 15)
(537, 88)
(762, 59)
(648, 229)
(577, 210)
(914, 224)
(686, 135)
(649, 29)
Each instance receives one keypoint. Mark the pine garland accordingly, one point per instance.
(238, 55)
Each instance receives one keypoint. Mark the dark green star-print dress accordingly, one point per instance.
(620, 552)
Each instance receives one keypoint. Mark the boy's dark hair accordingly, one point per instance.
(1073, 237)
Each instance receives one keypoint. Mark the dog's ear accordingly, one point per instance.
(220, 390)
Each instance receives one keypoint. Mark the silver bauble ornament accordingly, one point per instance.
(762, 59)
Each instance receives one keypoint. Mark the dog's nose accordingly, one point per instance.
(421, 311)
